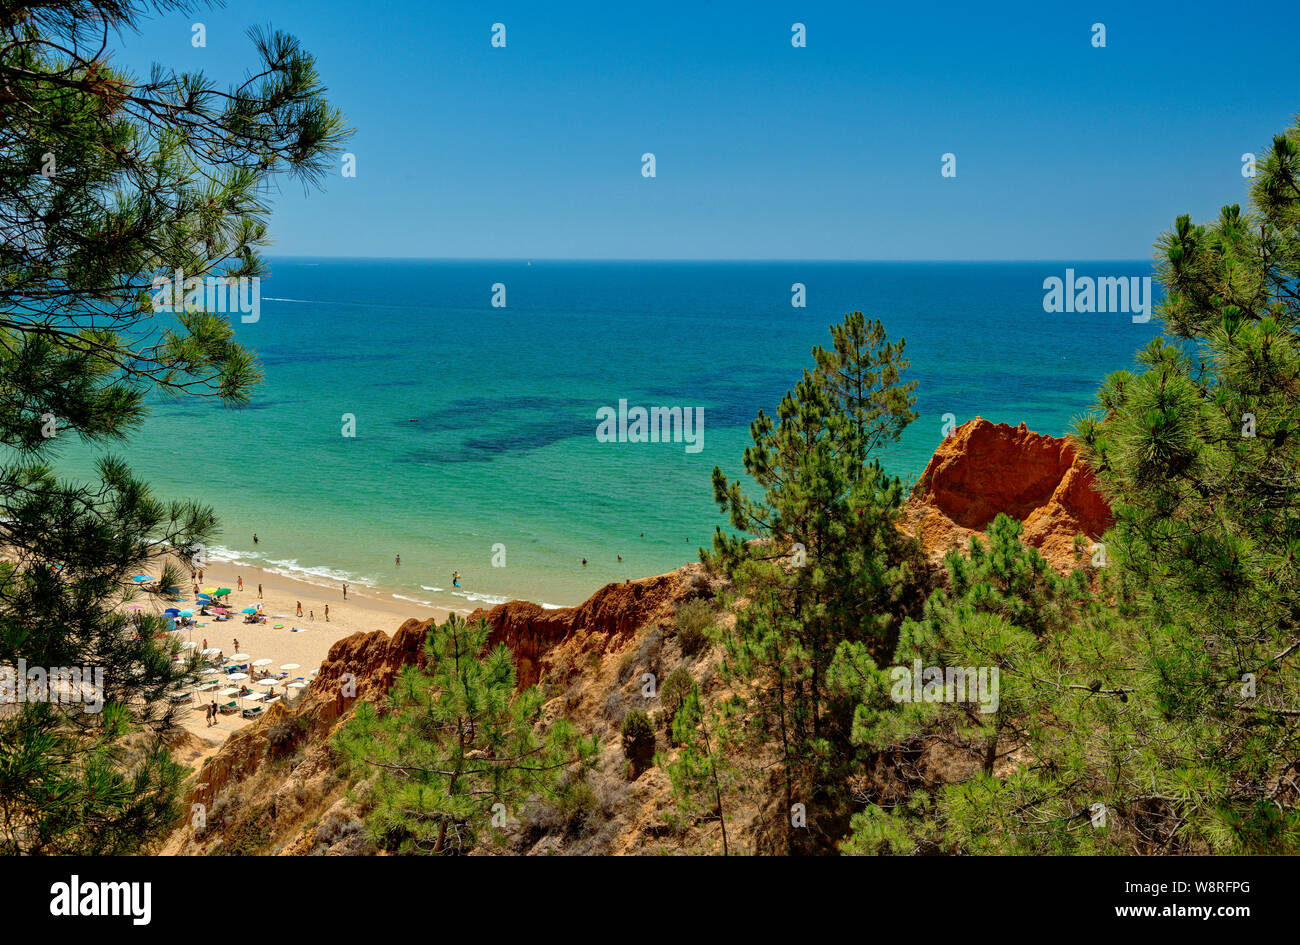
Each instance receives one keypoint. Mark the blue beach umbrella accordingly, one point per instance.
(249, 610)
(187, 613)
(141, 578)
(171, 611)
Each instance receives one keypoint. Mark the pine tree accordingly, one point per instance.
(1057, 651)
(1199, 453)
(457, 749)
(703, 778)
(830, 564)
(108, 182)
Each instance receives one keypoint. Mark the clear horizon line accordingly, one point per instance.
(690, 259)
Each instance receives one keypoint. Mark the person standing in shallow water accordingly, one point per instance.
(584, 562)
(254, 537)
(397, 560)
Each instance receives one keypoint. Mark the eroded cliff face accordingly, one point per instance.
(274, 787)
(613, 613)
(985, 468)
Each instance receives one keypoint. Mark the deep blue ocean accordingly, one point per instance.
(475, 425)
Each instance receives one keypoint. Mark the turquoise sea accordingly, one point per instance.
(475, 425)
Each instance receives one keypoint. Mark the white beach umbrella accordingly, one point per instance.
(238, 657)
(188, 645)
(288, 665)
(297, 685)
(262, 662)
(210, 651)
(267, 682)
(237, 677)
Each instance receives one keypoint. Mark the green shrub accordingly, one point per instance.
(694, 621)
(674, 692)
(638, 739)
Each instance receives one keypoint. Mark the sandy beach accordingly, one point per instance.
(365, 610)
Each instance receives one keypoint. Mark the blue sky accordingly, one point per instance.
(765, 151)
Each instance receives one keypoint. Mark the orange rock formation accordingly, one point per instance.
(984, 468)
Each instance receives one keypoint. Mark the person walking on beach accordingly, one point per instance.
(345, 592)
(259, 591)
(241, 582)
(200, 577)
(236, 644)
(299, 608)
(205, 643)
(311, 615)
(327, 613)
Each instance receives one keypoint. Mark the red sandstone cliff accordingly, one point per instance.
(614, 611)
(984, 468)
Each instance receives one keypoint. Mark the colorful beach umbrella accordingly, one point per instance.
(171, 612)
(187, 613)
(223, 591)
(141, 578)
(249, 610)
